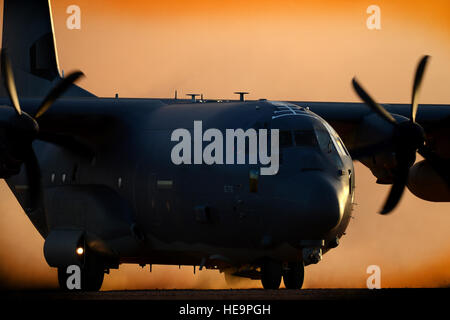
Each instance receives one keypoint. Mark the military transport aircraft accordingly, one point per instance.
(96, 178)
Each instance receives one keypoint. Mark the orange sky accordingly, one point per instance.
(298, 50)
(301, 50)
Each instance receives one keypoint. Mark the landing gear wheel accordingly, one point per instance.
(294, 275)
(91, 276)
(271, 273)
(63, 276)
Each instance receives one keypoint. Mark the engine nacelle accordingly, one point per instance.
(425, 183)
(16, 136)
(60, 247)
(374, 131)
(381, 166)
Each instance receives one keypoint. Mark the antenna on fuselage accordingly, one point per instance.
(241, 95)
(193, 96)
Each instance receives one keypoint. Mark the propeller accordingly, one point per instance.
(408, 138)
(25, 128)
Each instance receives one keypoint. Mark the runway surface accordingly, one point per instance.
(228, 304)
(231, 294)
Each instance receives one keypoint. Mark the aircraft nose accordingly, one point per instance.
(314, 205)
(322, 206)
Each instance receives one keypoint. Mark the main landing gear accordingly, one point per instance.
(87, 277)
(272, 271)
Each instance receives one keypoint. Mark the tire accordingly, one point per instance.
(293, 276)
(92, 278)
(62, 278)
(91, 273)
(271, 274)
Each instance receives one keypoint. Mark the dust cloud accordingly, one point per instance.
(411, 246)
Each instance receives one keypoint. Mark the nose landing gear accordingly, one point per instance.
(272, 272)
(293, 275)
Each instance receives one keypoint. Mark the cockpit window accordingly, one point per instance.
(342, 147)
(324, 139)
(339, 145)
(305, 138)
(285, 139)
(328, 145)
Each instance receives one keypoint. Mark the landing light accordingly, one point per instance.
(80, 251)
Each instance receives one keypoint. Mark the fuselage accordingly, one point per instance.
(130, 197)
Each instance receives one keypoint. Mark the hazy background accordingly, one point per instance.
(285, 50)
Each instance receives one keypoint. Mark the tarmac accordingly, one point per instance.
(232, 294)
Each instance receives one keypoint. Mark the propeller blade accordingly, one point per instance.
(57, 91)
(8, 78)
(396, 192)
(371, 103)
(416, 87)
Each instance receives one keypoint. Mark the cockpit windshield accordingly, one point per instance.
(305, 138)
(324, 139)
(285, 139)
(298, 138)
(310, 132)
